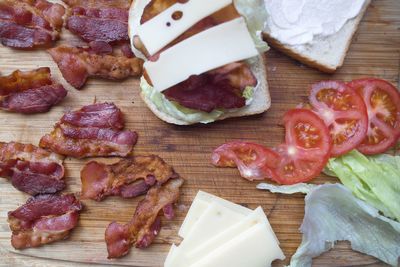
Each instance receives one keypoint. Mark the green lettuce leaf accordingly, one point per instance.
(333, 213)
(374, 179)
(256, 15)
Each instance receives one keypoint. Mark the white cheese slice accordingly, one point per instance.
(210, 49)
(200, 203)
(171, 255)
(256, 217)
(189, 252)
(215, 219)
(158, 32)
(252, 248)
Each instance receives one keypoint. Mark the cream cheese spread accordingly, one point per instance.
(300, 22)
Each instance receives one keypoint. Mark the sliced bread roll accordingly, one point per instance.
(261, 100)
(326, 54)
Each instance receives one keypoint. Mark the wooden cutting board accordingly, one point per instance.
(375, 52)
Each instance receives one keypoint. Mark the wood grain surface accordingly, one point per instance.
(375, 52)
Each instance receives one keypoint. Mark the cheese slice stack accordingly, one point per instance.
(220, 233)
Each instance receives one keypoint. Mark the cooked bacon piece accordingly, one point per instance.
(127, 50)
(30, 92)
(20, 81)
(126, 178)
(123, 4)
(32, 101)
(103, 115)
(53, 13)
(89, 142)
(145, 224)
(100, 48)
(77, 65)
(43, 219)
(14, 35)
(218, 89)
(94, 130)
(99, 20)
(29, 23)
(109, 25)
(31, 169)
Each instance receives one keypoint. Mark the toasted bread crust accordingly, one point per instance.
(313, 62)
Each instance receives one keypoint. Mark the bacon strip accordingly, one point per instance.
(99, 20)
(218, 89)
(94, 130)
(32, 101)
(31, 169)
(20, 81)
(77, 65)
(43, 219)
(30, 92)
(30, 23)
(122, 4)
(127, 178)
(145, 224)
(103, 115)
(108, 25)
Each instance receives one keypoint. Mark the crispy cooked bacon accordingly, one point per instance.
(20, 81)
(110, 25)
(99, 20)
(31, 169)
(218, 89)
(30, 92)
(32, 101)
(127, 50)
(100, 48)
(78, 64)
(102, 115)
(94, 130)
(122, 4)
(43, 219)
(29, 23)
(127, 178)
(145, 224)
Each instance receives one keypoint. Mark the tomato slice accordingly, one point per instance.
(343, 112)
(253, 161)
(307, 148)
(382, 100)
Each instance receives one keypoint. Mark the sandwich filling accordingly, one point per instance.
(207, 96)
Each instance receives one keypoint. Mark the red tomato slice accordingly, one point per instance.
(307, 149)
(343, 112)
(253, 161)
(382, 100)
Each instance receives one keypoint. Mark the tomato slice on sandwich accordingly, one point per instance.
(253, 161)
(307, 148)
(382, 100)
(343, 112)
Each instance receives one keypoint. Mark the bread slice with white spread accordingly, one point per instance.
(321, 42)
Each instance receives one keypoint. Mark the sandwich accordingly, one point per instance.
(203, 58)
(318, 33)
